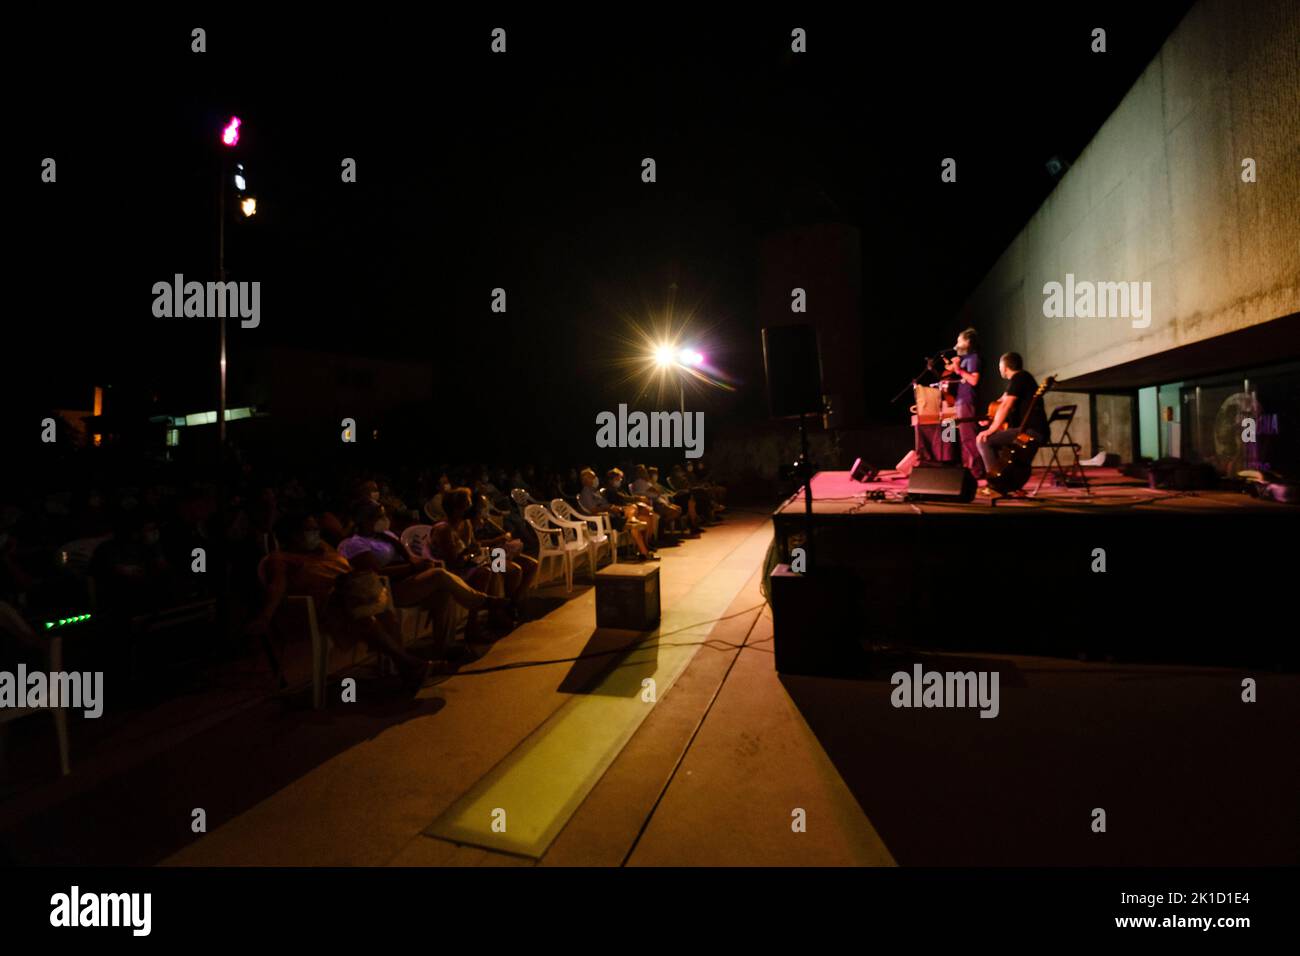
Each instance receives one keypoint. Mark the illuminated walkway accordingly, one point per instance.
(584, 770)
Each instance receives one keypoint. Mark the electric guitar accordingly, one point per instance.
(1016, 461)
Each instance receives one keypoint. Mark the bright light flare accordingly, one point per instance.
(664, 356)
(230, 135)
(690, 357)
(248, 207)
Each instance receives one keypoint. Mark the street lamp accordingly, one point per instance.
(668, 356)
(230, 132)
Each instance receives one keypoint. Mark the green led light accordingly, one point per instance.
(48, 625)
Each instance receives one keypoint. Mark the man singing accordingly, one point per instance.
(965, 365)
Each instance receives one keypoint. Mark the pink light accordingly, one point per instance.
(690, 357)
(230, 135)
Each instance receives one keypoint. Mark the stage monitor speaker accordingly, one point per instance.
(793, 366)
(937, 483)
(862, 471)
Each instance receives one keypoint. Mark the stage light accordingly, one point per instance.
(230, 134)
(664, 355)
(248, 207)
(689, 357)
(239, 182)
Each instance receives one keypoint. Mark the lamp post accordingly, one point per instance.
(229, 140)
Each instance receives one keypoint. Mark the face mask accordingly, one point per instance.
(311, 539)
(382, 525)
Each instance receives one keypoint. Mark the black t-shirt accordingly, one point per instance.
(1022, 386)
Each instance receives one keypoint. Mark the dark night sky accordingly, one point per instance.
(523, 171)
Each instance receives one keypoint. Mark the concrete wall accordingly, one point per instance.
(1157, 196)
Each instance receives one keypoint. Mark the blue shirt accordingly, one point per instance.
(970, 362)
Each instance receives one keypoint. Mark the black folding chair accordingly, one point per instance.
(1063, 475)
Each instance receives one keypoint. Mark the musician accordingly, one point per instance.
(963, 369)
(1019, 396)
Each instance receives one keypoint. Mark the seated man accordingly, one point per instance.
(680, 481)
(668, 512)
(592, 502)
(684, 501)
(616, 494)
(700, 475)
(1018, 406)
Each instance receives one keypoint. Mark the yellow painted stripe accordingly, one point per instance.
(539, 785)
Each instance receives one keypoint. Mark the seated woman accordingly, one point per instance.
(416, 580)
(700, 477)
(306, 565)
(454, 541)
(433, 507)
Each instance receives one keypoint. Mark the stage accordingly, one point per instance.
(1126, 572)
(834, 492)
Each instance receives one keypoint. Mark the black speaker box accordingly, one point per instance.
(941, 484)
(793, 366)
(820, 623)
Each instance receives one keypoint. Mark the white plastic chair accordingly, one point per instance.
(552, 536)
(11, 620)
(416, 538)
(580, 540)
(320, 640)
(522, 499)
(601, 533)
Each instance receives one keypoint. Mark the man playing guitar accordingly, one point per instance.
(1013, 405)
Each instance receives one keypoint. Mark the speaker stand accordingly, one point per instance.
(805, 463)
